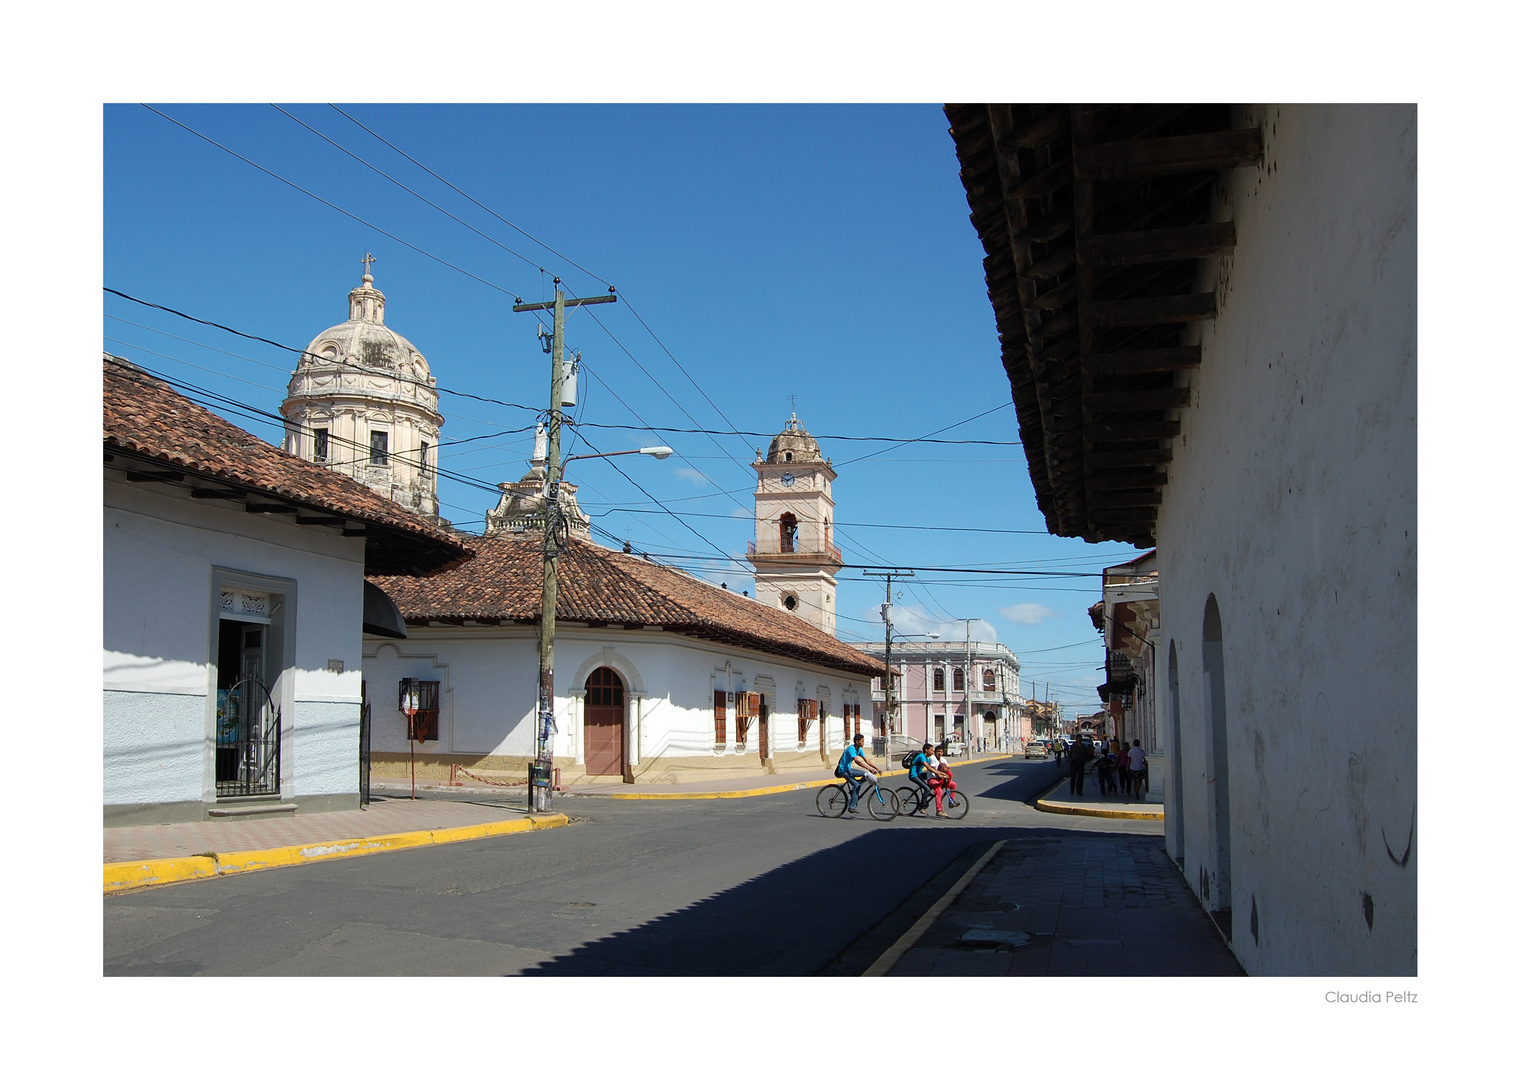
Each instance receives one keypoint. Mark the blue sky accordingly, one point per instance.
(762, 251)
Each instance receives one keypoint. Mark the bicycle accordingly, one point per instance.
(955, 802)
(881, 803)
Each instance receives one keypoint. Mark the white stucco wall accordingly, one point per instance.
(488, 678)
(162, 554)
(1291, 499)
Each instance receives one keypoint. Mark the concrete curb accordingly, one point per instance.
(145, 872)
(776, 790)
(890, 958)
(1094, 811)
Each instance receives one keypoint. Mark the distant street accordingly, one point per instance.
(757, 886)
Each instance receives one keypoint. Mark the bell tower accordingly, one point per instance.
(793, 552)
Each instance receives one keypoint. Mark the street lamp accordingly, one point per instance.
(540, 774)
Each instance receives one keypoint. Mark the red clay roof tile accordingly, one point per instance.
(599, 585)
(144, 419)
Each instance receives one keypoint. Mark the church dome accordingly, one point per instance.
(363, 402)
(366, 340)
(793, 444)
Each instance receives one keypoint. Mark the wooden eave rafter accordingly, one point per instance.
(388, 550)
(1095, 220)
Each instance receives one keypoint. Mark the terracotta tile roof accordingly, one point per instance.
(598, 585)
(148, 426)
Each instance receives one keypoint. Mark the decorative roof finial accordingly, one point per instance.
(367, 260)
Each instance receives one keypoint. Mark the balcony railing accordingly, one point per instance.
(773, 546)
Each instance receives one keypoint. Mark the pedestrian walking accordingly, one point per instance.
(1078, 765)
(1137, 769)
(1105, 769)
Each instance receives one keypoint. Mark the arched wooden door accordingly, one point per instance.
(604, 723)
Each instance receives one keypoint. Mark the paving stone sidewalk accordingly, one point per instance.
(382, 817)
(1073, 904)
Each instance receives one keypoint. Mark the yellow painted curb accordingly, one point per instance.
(129, 875)
(132, 875)
(1083, 811)
(749, 792)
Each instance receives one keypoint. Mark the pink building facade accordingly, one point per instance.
(952, 691)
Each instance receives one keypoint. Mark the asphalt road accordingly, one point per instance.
(758, 886)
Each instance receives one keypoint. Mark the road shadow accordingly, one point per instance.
(833, 912)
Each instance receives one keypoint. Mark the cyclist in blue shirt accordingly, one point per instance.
(920, 771)
(853, 768)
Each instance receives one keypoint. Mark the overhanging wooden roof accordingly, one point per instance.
(152, 435)
(1097, 221)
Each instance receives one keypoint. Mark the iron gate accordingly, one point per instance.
(248, 741)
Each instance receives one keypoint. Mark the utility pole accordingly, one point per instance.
(887, 674)
(540, 775)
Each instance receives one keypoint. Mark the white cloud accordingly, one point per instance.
(912, 621)
(1027, 614)
(693, 475)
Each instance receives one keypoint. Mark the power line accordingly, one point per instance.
(332, 206)
(483, 206)
(409, 191)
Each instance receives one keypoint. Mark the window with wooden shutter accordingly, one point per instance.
(720, 719)
(807, 712)
(939, 678)
(746, 709)
(958, 680)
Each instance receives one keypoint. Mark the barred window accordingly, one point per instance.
(379, 453)
(319, 444)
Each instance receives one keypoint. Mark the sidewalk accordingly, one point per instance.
(739, 787)
(1049, 903)
(138, 855)
(1091, 804)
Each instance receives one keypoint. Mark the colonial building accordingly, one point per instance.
(794, 554)
(1130, 618)
(952, 691)
(233, 607)
(1208, 320)
(659, 676)
(363, 403)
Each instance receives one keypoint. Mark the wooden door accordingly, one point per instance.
(604, 723)
(765, 729)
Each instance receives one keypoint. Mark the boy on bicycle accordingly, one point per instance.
(921, 772)
(940, 778)
(853, 768)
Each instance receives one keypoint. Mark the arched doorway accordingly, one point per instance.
(1219, 752)
(605, 711)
